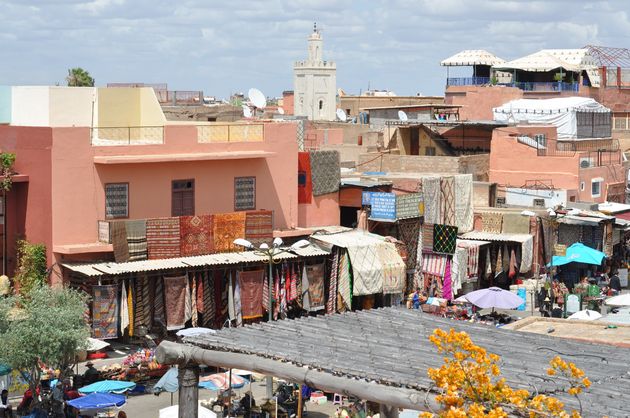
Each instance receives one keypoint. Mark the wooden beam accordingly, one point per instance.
(398, 397)
(387, 411)
(188, 391)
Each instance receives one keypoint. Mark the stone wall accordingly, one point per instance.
(477, 165)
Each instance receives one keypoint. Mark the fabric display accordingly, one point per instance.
(569, 234)
(194, 319)
(432, 200)
(527, 254)
(259, 226)
(305, 185)
(238, 306)
(417, 274)
(515, 223)
(124, 309)
(222, 281)
(315, 275)
(427, 236)
(331, 303)
(608, 240)
(345, 281)
(409, 231)
(472, 260)
(513, 268)
(209, 304)
(196, 235)
(592, 236)
(175, 301)
(227, 228)
(325, 171)
(163, 238)
(306, 299)
(447, 206)
(159, 315)
(118, 237)
(231, 303)
(251, 287)
(367, 272)
(447, 283)
(137, 239)
(459, 269)
(463, 185)
(131, 302)
(394, 273)
(444, 239)
(105, 311)
(434, 264)
(143, 315)
(492, 222)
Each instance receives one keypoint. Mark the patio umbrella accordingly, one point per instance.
(95, 401)
(96, 345)
(620, 300)
(108, 386)
(586, 315)
(219, 381)
(579, 253)
(494, 297)
(173, 412)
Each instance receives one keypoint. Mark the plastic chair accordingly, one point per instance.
(337, 399)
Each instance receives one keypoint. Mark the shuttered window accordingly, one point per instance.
(183, 201)
(116, 200)
(244, 193)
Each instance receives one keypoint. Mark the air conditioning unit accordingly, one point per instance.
(539, 203)
(586, 162)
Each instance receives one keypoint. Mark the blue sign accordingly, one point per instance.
(366, 198)
(383, 206)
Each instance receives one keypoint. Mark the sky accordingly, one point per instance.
(222, 47)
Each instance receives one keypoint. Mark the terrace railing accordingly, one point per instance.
(467, 81)
(127, 135)
(251, 132)
(544, 86)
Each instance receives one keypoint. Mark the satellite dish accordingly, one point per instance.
(341, 115)
(281, 111)
(257, 98)
(247, 112)
(402, 116)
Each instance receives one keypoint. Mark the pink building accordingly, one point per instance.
(91, 154)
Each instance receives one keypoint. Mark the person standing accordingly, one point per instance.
(615, 284)
(5, 405)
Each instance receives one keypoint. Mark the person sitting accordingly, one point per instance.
(582, 287)
(5, 405)
(91, 375)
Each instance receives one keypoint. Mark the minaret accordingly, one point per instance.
(315, 82)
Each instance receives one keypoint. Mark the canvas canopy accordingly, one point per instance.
(559, 112)
(470, 57)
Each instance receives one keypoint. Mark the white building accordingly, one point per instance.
(315, 83)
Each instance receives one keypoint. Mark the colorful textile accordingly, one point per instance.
(492, 222)
(196, 235)
(427, 236)
(512, 268)
(158, 305)
(223, 305)
(434, 264)
(251, 286)
(142, 316)
(163, 238)
(608, 240)
(432, 200)
(259, 226)
(175, 301)
(447, 205)
(200, 300)
(527, 250)
(393, 268)
(124, 309)
(306, 299)
(444, 239)
(130, 304)
(447, 284)
(459, 267)
(194, 320)
(325, 171)
(209, 304)
(305, 185)
(187, 303)
(367, 270)
(276, 296)
(105, 311)
(472, 260)
(293, 290)
(137, 239)
(331, 303)
(237, 301)
(227, 228)
(315, 275)
(488, 263)
(265, 295)
(231, 304)
(408, 232)
(463, 202)
(118, 236)
(345, 280)
(515, 223)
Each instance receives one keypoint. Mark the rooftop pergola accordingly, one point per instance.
(382, 355)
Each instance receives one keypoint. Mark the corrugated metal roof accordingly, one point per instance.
(219, 259)
(355, 238)
(579, 220)
(359, 182)
(488, 236)
(471, 57)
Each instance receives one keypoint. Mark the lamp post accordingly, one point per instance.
(270, 253)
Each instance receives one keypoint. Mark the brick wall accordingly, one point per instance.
(477, 165)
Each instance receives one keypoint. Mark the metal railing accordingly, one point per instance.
(179, 97)
(544, 86)
(467, 81)
(250, 132)
(553, 148)
(601, 158)
(127, 135)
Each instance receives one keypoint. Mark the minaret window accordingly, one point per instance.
(321, 104)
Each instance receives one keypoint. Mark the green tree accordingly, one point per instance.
(32, 267)
(78, 77)
(47, 328)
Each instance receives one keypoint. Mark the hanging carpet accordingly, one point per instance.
(118, 235)
(259, 227)
(143, 315)
(209, 304)
(345, 280)
(325, 171)
(409, 231)
(444, 239)
(492, 222)
(393, 269)
(464, 215)
(196, 235)
(227, 228)
(305, 185)
(331, 302)
(175, 289)
(137, 239)
(515, 223)
(105, 311)
(315, 274)
(447, 205)
(432, 200)
(427, 236)
(251, 285)
(434, 264)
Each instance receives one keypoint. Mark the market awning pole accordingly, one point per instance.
(299, 411)
(269, 379)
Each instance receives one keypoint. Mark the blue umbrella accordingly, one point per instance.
(168, 382)
(108, 386)
(4, 369)
(579, 253)
(98, 401)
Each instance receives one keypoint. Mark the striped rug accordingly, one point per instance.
(163, 239)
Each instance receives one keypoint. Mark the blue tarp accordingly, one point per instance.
(98, 401)
(579, 253)
(108, 386)
(168, 382)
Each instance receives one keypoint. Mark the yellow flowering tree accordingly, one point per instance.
(470, 383)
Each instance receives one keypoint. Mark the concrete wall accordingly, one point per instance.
(150, 110)
(72, 106)
(30, 106)
(5, 104)
(477, 101)
(287, 103)
(355, 104)
(347, 152)
(525, 197)
(473, 164)
(322, 211)
(119, 107)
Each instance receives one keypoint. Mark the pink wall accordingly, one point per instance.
(611, 174)
(322, 211)
(288, 103)
(477, 101)
(314, 137)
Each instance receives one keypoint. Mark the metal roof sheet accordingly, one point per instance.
(488, 236)
(579, 220)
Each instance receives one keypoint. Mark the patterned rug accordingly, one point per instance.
(434, 264)
(143, 303)
(472, 260)
(163, 239)
(325, 171)
(444, 239)
(527, 254)
(175, 301)
(227, 228)
(367, 271)
(463, 202)
(569, 234)
(408, 232)
(305, 185)
(315, 274)
(331, 302)
(209, 305)
(159, 316)
(105, 311)
(447, 205)
(459, 269)
(393, 269)
(196, 234)
(118, 236)
(259, 226)
(427, 236)
(137, 239)
(251, 284)
(491, 222)
(515, 223)
(345, 281)
(432, 199)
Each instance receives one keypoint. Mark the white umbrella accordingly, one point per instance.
(96, 345)
(586, 315)
(194, 332)
(173, 412)
(620, 300)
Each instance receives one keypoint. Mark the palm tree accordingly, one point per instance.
(78, 77)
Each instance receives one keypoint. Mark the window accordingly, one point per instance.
(244, 193)
(582, 186)
(116, 200)
(596, 187)
(183, 198)
(541, 139)
(321, 104)
(429, 151)
(539, 203)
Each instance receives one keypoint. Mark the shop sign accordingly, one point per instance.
(383, 206)
(560, 250)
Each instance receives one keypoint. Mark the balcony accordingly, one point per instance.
(533, 86)
(467, 81)
(251, 132)
(127, 135)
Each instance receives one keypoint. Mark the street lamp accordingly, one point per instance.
(270, 252)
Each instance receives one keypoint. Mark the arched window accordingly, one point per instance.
(321, 104)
